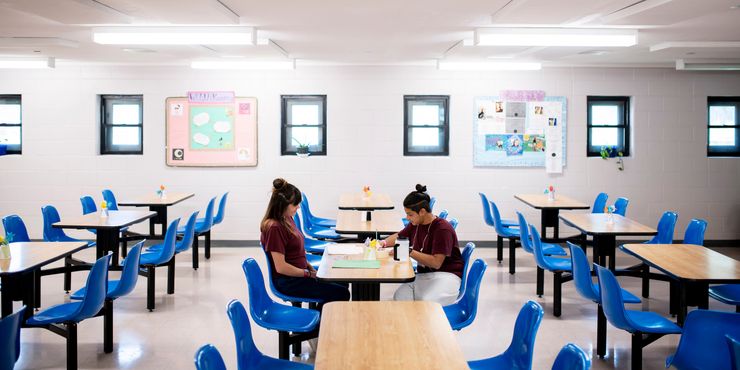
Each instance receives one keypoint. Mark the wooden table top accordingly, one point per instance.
(687, 261)
(387, 335)
(115, 220)
(26, 256)
(596, 223)
(354, 222)
(540, 201)
(359, 202)
(390, 271)
(154, 200)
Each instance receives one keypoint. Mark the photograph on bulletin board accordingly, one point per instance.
(211, 129)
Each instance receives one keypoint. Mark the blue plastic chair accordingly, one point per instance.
(10, 344)
(600, 203)
(488, 216)
(644, 326)
(453, 223)
(315, 220)
(15, 229)
(621, 206)
(316, 231)
(519, 354)
(666, 225)
(703, 344)
(220, 213)
(187, 237)
(295, 301)
(695, 232)
(70, 314)
(548, 249)
(52, 234)
(443, 215)
(311, 245)
(556, 265)
(727, 294)
(734, 346)
(247, 355)
(504, 232)
(208, 358)
(585, 286)
(571, 357)
(127, 281)
(462, 313)
(201, 228)
(274, 316)
(149, 262)
(110, 200)
(88, 204)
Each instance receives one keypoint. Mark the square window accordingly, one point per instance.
(303, 119)
(723, 138)
(426, 125)
(121, 124)
(608, 124)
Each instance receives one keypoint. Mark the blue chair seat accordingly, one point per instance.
(315, 246)
(550, 249)
(288, 318)
(509, 223)
(508, 232)
(324, 222)
(326, 233)
(150, 258)
(314, 260)
(499, 362)
(627, 297)
(651, 322)
(80, 293)
(728, 293)
(559, 264)
(462, 313)
(55, 314)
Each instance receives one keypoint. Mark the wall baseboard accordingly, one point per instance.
(478, 243)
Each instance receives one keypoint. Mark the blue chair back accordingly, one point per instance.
(277, 293)
(259, 301)
(432, 202)
(487, 217)
(95, 290)
(611, 300)
(298, 225)
(497, 219)
(582, 273)
(88, 204)
(734, 346)
(695, 232)
(703, 344)
(52, 234)
(168, 244)
(208, 219)
(666, 225)
(521, 349)
(600, 203)
(208, 358)
(466, 252)
(305, 207)
(453, 223)
(110, 200)
(10, 332)
(571, 357)
(188, 235)
(468, 302)
(621, 206)
(443, 215)
(524, 237)
(221, 209)
(539, 255)
(15, 229)
(129, 274)
(247, 354)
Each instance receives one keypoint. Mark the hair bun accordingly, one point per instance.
(279, 183)
(421, 188)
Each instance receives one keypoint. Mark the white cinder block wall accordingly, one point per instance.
(668, 168)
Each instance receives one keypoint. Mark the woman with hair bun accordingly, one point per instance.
(283, 242)
(433, 244)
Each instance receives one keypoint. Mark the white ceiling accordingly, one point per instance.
(374, 32)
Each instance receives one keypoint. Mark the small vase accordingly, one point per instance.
(551, 196)
(162, 194)
(610, 218)
(104, 213)
(4, 252)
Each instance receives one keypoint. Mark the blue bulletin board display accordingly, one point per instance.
(520, 130)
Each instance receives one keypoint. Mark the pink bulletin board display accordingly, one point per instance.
(211, 129)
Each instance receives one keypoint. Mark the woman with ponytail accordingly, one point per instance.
(433, 244)
(283, 242)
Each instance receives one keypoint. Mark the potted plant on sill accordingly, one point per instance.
(607, 152)
(301, 149)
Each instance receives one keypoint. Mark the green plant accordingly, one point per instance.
(607, 152)
(301, 148)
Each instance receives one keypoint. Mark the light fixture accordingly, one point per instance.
(232, 64)
(598, 37)
(30, 62)
(174, 35)
(708, 64)
(488, 66)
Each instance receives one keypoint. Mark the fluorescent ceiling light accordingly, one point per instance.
(253, 65)
(708, 64)
(175, 35)
(555, 37)
(488, 66)
(35, 63)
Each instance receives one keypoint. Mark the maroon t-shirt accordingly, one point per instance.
(279, 239)
(436, 238)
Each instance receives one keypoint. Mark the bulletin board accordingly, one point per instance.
(520, 130)
(215, 133)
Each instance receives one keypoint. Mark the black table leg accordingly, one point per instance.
(108, 326)
(605, 247)
(549, 218)
(681, 303)
(365, 291)
(369, 216)
(159, 219)
(601, 333)
(107, 240)
(7, 299)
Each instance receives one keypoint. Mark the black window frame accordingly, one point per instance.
(441, 100)
(12, 99)
(106, 136)
(290, 147)
(724, 151)
(623, 132)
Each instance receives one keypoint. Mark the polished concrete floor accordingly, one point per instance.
(196, 314)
